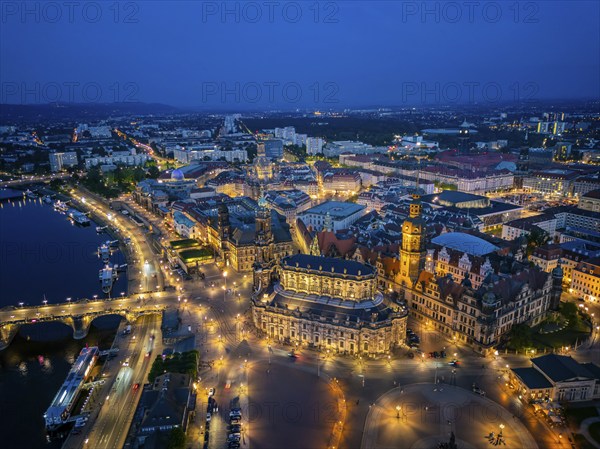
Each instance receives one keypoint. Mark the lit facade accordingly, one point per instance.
(328, 304)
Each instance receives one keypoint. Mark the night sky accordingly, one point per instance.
(243, 55)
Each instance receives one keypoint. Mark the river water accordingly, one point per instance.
(44, 255)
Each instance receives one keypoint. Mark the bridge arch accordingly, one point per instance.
(79, 323)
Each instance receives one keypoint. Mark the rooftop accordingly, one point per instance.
(336, 209)
(560, 368)
(532, 378)
(465, 242)
(328, 264)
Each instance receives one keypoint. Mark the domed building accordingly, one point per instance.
(177, 175)
(464, 289)
(329, 304)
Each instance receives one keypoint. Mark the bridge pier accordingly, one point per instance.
(80, 324)
(7, 333)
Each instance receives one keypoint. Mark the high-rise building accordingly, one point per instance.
(273, 148)
(314, 145)
(58, 161)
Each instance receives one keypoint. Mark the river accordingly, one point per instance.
(43, 255)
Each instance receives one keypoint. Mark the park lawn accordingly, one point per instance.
(576, 415)
(184, 363)
(577, 331)
(184, 243)
(595, 431)
(582, 442)
(196, 254)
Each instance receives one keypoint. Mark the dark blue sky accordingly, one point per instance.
(299, 54)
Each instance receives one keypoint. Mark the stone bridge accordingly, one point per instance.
(79, 315)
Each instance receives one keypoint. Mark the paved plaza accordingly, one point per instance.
(420, 416)
(289, 408)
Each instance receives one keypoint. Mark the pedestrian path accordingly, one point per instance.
(584, 429)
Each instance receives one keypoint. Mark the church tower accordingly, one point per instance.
(556, 291)
(264, 262)
(224, 229)
(412, 251)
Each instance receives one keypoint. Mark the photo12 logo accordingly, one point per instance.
(270, 92)
(470, 12)
(467, 92)
(69, 12)
(270, 12)
(14, 92)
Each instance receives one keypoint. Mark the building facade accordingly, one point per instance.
(561, 378)
(328, 304)
(480, 315)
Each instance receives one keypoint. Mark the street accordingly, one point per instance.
(118, 397)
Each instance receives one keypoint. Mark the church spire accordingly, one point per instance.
(415, 206)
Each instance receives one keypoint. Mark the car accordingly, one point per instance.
(148, 354)
(235, 428)
(235, 420)
(136, 386)
(436, 354)
(478, 391)
(454, 362)
(228, 385)
(208, 417)
(211, 391)
(293, 355)
(237, 436)
(443, 354)
(234, 415)
(126, 362)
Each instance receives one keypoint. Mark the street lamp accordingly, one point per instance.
(398, 408)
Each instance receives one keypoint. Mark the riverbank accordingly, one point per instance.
(114, 234)
(32, 369)
(46, 258)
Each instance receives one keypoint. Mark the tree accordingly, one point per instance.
(569, 311)
(520, 336)
(176, 439)
(153, 172)
(536, 238)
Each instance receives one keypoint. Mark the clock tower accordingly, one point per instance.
(412, 251)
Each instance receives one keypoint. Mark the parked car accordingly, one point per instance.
(478, 391)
